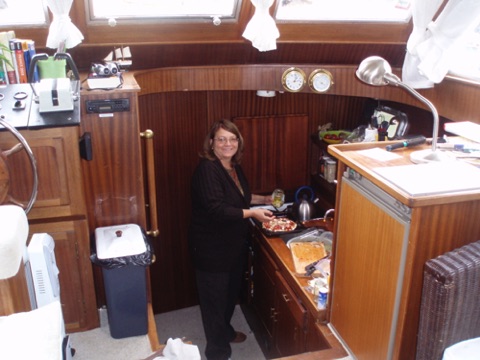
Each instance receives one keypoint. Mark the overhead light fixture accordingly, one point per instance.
(376, 71)
(266, 93)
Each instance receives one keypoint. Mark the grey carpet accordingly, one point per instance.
(97, 344)
(187, 323)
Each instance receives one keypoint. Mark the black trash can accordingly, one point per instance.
(124, 253)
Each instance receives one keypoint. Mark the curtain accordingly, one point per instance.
(430, 46)
(262, 30)
(63, 33)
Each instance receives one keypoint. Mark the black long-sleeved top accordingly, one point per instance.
(218, 232)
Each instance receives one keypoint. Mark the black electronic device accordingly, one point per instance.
(107, 106)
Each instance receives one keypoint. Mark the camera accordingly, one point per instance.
(100, 70)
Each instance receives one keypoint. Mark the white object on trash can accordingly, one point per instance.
(465, 350)
(118, 241)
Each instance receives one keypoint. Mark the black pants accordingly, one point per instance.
(218, 294)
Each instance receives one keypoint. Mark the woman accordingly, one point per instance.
(221, 200)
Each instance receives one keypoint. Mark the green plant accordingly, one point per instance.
(3, 57)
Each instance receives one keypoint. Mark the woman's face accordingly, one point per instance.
(225, 144)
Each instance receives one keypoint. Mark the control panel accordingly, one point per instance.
(107, 106)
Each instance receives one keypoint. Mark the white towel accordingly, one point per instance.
(13, 238)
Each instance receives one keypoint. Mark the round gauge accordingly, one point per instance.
(294, 79)
(320, 80)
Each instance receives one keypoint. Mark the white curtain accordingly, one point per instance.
(262, 30)
(429, 48)
(62, 33)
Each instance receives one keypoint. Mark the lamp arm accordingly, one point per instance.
(394, 80)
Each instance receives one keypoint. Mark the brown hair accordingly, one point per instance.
(207, 151)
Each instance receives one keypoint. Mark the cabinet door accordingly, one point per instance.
(276, 155)
(264, 288)
(290, 320)
(369, 256)
(315, 339)
(60, 189)
(77, 294)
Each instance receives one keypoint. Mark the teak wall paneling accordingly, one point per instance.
(272, 148)
(454, 100)
(180, 120)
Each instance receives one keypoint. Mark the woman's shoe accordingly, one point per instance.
(239, 337)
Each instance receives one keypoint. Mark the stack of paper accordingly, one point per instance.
(110, 82)
(466, 129)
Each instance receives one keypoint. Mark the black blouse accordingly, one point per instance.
(218, 232)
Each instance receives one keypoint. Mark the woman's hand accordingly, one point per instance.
(261, 215)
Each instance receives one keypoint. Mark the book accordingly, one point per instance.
(28, 52)
(17, 48)
(5, 37)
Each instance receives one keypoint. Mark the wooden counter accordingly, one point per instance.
(317, 333)
(378, 260)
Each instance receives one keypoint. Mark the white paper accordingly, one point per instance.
(379, 154)
(432, 178)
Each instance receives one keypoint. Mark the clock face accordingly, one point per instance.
(293, 79)
(320, 80)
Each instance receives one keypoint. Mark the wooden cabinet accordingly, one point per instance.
(290, 317)
(293, 326)
(60, 211)
(379, 257)
(72, 250)
(369, 267)
(278, 307)
(264, 270)
(325, 190)
(271, 159)
(113, 177)
(60, 186)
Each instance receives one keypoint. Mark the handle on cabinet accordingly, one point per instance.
(85, 144)
(152, 191)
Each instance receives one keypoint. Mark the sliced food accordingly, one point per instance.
(279, 225)
(305, 253)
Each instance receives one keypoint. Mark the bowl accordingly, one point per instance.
(334, 136)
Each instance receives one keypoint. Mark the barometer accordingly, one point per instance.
(320, 80)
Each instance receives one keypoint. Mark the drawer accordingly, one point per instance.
(290, 300)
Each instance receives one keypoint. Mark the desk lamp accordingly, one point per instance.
(376, 71)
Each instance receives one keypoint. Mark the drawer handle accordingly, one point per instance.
(286, 298)
(273, 314)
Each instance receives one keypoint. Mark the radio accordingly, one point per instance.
(107, 106)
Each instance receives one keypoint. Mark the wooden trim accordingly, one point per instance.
(455, 100)
(228, 32)
(152, 330)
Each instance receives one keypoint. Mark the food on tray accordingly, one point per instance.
(279, 225)
(306, 252)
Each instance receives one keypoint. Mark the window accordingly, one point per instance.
(167, 9)
(13, 13)
(344, 10)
